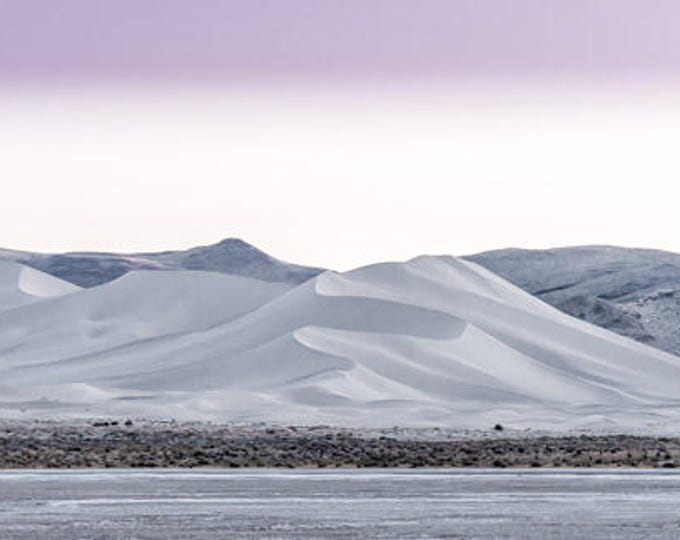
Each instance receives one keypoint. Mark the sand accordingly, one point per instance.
(431, 342)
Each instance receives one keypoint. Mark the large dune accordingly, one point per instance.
(632, 292)
(433, 341)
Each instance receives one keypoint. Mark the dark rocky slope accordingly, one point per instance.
(633, 292)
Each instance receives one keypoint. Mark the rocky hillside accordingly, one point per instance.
(230, 256)
(633, 292)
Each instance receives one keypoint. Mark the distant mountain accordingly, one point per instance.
(633, 292)
(230, 256)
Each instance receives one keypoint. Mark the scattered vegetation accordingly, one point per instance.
(107, 444)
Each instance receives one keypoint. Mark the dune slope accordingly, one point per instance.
(433, 341)
(21, 285)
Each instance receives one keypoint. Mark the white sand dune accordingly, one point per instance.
(20, 285)
(136, 308)
(433, 341)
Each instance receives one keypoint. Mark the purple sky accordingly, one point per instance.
(227, 39)
(445, 126)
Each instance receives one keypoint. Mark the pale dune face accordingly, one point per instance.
(433, 341)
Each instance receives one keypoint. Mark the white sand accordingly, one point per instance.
(20, 285)
(433, 341)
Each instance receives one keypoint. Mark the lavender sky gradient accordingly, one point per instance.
(339, 132)
(230, 39)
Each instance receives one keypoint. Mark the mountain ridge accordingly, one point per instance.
(632, 291)
(229, 256)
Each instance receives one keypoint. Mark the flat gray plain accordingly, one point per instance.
(262, 503)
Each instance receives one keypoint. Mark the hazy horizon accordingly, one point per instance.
(338, 134)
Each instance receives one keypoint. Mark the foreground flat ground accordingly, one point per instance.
(265, 503)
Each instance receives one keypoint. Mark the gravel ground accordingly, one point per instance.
(102, 444)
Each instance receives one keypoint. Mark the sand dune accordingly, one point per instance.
(20, 285)
(632, 292)
(433, 341)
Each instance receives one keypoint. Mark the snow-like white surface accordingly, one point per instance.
(21, 285)
(137, 308)
(41, 285)
(433, 341)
